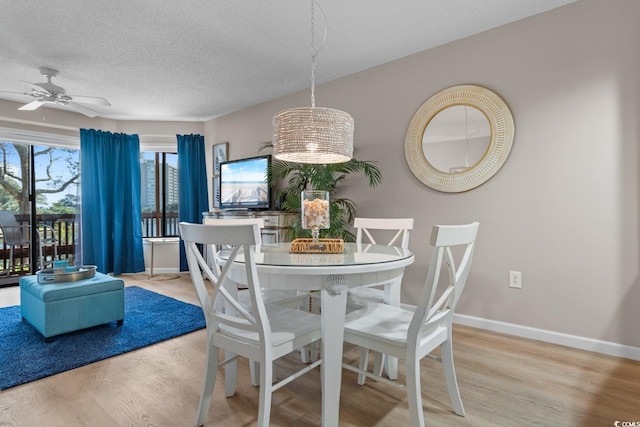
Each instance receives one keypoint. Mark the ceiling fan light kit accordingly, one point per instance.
(49, 93)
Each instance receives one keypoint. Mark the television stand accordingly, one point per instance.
(276, 223)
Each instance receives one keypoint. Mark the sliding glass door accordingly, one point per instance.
(38, 207)
(15, 210)
(57, 196)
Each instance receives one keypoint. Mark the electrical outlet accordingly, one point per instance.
(515, 279)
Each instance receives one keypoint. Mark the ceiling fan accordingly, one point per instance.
(48, 93)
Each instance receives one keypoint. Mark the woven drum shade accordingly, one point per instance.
(313, 135)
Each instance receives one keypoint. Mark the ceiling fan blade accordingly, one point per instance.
(36, 88)
(90, 100)
(81, 109)
(33, 105)
(14, 93)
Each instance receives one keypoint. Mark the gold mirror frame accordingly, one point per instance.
(502, 131)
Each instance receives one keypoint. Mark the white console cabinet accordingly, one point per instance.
(276, 223)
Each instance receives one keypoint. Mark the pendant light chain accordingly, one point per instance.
(314, 51)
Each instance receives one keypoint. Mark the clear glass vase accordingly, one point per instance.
(314, 208)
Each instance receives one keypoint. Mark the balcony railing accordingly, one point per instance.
(152, 224)
(66, 228)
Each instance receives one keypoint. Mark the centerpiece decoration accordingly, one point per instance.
(315, 212)
(314, 216)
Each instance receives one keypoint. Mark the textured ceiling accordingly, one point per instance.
(199, 59)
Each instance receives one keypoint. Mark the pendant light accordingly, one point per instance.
(313, 134)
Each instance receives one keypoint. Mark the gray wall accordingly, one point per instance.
(564, 208)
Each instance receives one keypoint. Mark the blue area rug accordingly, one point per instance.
(149, 318)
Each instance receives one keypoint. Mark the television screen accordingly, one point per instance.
(243, 184)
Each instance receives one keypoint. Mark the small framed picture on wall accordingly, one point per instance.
(220, 154)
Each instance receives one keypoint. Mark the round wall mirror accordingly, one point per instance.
(459, 138)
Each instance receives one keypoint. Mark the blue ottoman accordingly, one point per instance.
(57, 308)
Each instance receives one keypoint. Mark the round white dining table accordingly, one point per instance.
(331, 274)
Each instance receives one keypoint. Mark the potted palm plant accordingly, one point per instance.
(290, 179)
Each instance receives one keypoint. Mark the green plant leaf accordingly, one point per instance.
(302, 176)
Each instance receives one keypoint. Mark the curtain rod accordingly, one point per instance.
(71, 128)
(36, 123)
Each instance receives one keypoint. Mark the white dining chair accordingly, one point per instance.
(290, 299)
(385, 231)
(390, 232)
(262, 333)
(412, 335)
(395, 232)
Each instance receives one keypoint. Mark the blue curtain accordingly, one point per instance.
(110, 198)
(193, 198)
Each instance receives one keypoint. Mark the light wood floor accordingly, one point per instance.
(504, 381)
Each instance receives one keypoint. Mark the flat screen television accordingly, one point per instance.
(243, 184)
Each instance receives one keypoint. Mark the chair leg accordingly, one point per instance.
(315, 304)
(208, 386)
(40, 265)
(378, 363)
(305, 357)
(386, 363)
(230, 375)
(363, 364)
(315, 351)
(414, 393)
(450, 377)
(316, 307)
(254, 372)
(391, 367)
(266, 390)
(11, 266)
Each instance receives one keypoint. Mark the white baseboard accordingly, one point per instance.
(574, 341)
(161, 270)
(158, 271)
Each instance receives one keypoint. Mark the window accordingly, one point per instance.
(159, 194)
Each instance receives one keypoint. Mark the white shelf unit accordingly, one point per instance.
(276, 223)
